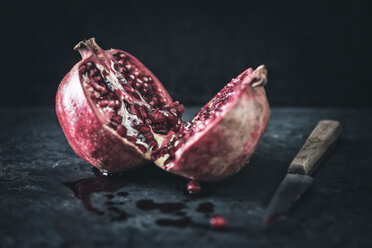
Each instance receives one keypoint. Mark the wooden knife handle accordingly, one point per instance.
(317, 144)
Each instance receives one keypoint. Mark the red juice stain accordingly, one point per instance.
(206, 208)
(167, 207)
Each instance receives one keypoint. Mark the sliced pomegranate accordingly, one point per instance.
(116, 114)
(222, 137)
(113, 110)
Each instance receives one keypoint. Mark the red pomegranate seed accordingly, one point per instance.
(121, 62)
(83, 69)
(143, 113)
(218, 222)
(122, 131)
(157, 117)
(144, 129)
(148, 135)
(153, 144)
(97, 87)
(93, 72)
(103, 103)
(142, 148)
(117, 118)
(98, 78)
(89, 65)
(193, 187)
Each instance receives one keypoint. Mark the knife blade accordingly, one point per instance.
(298, 178)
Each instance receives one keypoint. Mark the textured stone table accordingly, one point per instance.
(52, 198)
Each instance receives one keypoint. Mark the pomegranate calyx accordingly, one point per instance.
(259, 77)
(87, 47)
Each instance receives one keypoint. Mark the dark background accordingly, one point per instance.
(317, 53)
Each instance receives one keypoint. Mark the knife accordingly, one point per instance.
(298, 178)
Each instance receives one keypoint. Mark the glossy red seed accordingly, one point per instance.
(218, 222)
(103, 103)
(172, 152)
(153, 144)
(127, 88)
(93, 72)
(156, 116)
(144, 129)
(155, 100)
(143, 113)
(142, 148)
(121, 62)
(98, 78)
(132, 138)
(133, 110)
(121, 130)
(148, 136)
(111, 103)
(163, 101)
(193, 187)
(98, 87)
(117, 104)
(89, 65)
(116, 118)
(172, 119)
(83, 69)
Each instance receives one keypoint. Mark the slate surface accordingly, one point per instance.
(51, 198)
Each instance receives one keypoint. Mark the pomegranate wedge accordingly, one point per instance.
(222, 137)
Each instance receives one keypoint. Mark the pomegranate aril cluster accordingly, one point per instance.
(100, 92)
(152, 115)
(137, 82)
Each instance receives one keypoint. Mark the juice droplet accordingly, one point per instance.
(193, 187)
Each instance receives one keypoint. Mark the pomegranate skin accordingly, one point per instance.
(226, 145)
(86, 134)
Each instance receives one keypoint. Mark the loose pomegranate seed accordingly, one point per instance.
(193, 187)
(218, 222)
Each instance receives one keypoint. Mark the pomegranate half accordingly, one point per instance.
(116, 115)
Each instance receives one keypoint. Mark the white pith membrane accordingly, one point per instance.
(131, 104)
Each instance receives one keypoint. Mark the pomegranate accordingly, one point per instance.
(116, 115)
